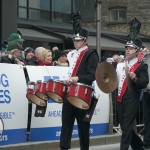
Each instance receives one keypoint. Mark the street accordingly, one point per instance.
(105, 147)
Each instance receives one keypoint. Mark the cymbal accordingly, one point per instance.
(106, 77)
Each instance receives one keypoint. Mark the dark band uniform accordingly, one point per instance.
(86, 75)
(128, 107)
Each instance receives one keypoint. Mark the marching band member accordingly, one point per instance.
(82, 66)
(129, 94)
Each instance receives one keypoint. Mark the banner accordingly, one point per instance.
(13, 104)
(48, 127)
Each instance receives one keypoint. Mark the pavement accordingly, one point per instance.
(54, 145)
(104, 142)
(105, 147)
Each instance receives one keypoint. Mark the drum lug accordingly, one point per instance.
(68, 89)
(47, 85)
(54, 86)
(76, 89)
(64, 88)
(86, 91)
(37, 86)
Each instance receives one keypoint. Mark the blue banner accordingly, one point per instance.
(53, 133)
(14, 136)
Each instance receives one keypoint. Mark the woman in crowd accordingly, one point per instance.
(45, 58)
(60, 59)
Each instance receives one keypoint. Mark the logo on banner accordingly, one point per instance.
(4, 92)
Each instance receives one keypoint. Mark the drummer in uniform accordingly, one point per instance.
(82, 67)
(132, 78)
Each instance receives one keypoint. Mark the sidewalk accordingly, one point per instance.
(105, 147)
(54, 145)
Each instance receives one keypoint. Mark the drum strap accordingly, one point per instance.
(124, 85)
(78, 62)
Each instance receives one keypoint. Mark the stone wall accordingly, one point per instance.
(135, 8)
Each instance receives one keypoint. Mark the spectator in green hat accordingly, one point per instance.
(13, 53)
(16, 37)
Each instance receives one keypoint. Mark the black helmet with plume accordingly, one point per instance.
(133, 40)
(77, 26)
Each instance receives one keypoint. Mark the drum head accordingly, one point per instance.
(36, 100)
(146, 60)
(55, 97)
(77, 102)
(41, 96)
(1, 127)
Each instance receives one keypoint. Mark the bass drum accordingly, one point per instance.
(146, 60)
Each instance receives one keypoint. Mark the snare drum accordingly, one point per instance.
(56, 90)
(80, 95)
(31, 95)
(41, 90)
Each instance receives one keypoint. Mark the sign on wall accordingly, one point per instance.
(13, 104)
(48, 127)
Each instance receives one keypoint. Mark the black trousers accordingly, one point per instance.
(146, 110)
(114, 101)
(69, 113)
(127, 111)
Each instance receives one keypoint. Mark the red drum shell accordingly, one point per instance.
(41, 90)
(80, 95)
(31, 95)
(56, 90)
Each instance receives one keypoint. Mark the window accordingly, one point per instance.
(117, 14)
(40, 4)
(46, 10)
(64, 7)
(22, 3)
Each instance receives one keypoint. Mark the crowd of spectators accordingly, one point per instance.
(13, 53)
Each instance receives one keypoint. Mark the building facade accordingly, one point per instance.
(115, 15)
(47, 23)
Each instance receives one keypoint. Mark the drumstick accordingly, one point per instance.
(98, 96)
(49, 73)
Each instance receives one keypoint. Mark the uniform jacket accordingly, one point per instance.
(87, 67)
(141, 83)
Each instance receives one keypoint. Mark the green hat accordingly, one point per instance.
(15, 36)
(12, 45)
